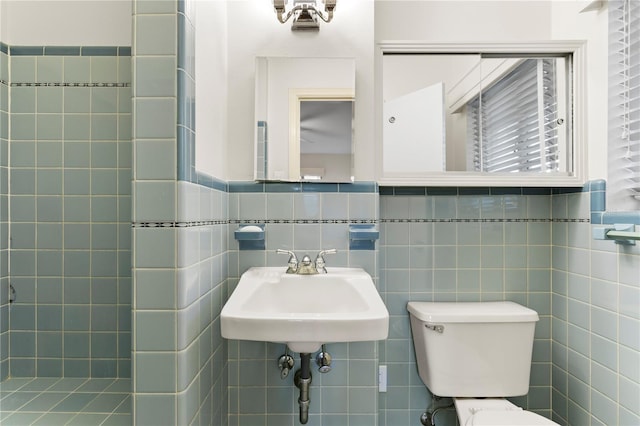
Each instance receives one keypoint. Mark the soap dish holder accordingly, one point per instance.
(250, 237)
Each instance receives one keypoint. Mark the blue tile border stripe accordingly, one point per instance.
(282, 187)
(66, 50)
(481, 190)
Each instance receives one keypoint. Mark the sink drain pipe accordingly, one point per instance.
(302, 380)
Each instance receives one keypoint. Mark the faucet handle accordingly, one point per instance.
(292, 262)
(320, 263)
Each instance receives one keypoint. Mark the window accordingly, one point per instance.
(513, 125)
(623, 187)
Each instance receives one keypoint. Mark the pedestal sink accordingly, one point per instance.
(305, 311)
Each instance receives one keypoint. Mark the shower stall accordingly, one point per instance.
(65, 222)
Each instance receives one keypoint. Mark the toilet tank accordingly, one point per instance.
(473, 349)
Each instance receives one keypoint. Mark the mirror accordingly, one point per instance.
(497, 114)
(326, 133)
(304, 119)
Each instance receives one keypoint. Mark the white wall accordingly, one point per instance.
(66, 23)
(462, 21)
(255, 31)
(211, 88)
(569, 23)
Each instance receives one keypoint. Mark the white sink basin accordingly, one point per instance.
(305, 311)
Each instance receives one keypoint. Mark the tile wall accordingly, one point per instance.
(4, 211)
(596, 321)
(304, 218)
(461, 245)
(179, 233)
(70, 211)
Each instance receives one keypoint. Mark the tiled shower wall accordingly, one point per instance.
(180, 233)
(305, 218)
(70, 211)
(596, 322)
(4, 212)
(461, 245)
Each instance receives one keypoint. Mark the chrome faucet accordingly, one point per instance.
(320, 263)
(292, 262)
(305, 266)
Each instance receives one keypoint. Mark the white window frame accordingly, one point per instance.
(623, 181)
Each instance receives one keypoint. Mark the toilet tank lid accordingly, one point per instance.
(474, 312)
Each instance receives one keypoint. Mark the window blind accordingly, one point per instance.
(512, 125)
(624, 105)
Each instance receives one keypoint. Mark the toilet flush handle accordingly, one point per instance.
(435, 327)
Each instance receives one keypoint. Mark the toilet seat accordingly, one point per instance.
(496, 412)
(507, 418)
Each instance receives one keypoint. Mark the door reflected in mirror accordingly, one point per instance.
(496, 113)
(326, 133)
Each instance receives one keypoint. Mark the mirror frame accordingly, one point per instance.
(295, 97)
(577, 48)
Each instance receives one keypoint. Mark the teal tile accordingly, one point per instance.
(87, 419)
(105, 403)
(49, 100)
(104, 236)
(23, 126)
(104, 127)
(23, 99)
(103, 318)
(77, 69)
(49, 262)
(19, 419)
(103, 263)
(77, 154)
(77, 127)
(156, 118)
(49, 236)
(23, 154)
(76, 209)
(155, 289)
(49, 208)
(156, 76)
(154, 410)
(77, 236)
(45, 401)
(49, 126)
(156, 372)
(155, 35)
(49, 69)
(49, 154)
(49, 182)
(104, 155)
(77, 345)
(76, 263)
(104, 69)
(49, 317)
(104, 182)
(77, 100)
(155, 159)
(104, 100)
(23, 182)
(119, 386)
(155, 331)
(95, 385)
(16, 400)
(54, 419)
(118, 420)
(49, 290)
(23, 69)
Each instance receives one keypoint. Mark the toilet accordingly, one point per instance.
(477, 353)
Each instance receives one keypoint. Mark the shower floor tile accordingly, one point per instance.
(65, 401)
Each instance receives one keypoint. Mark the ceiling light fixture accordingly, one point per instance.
(305, 13)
